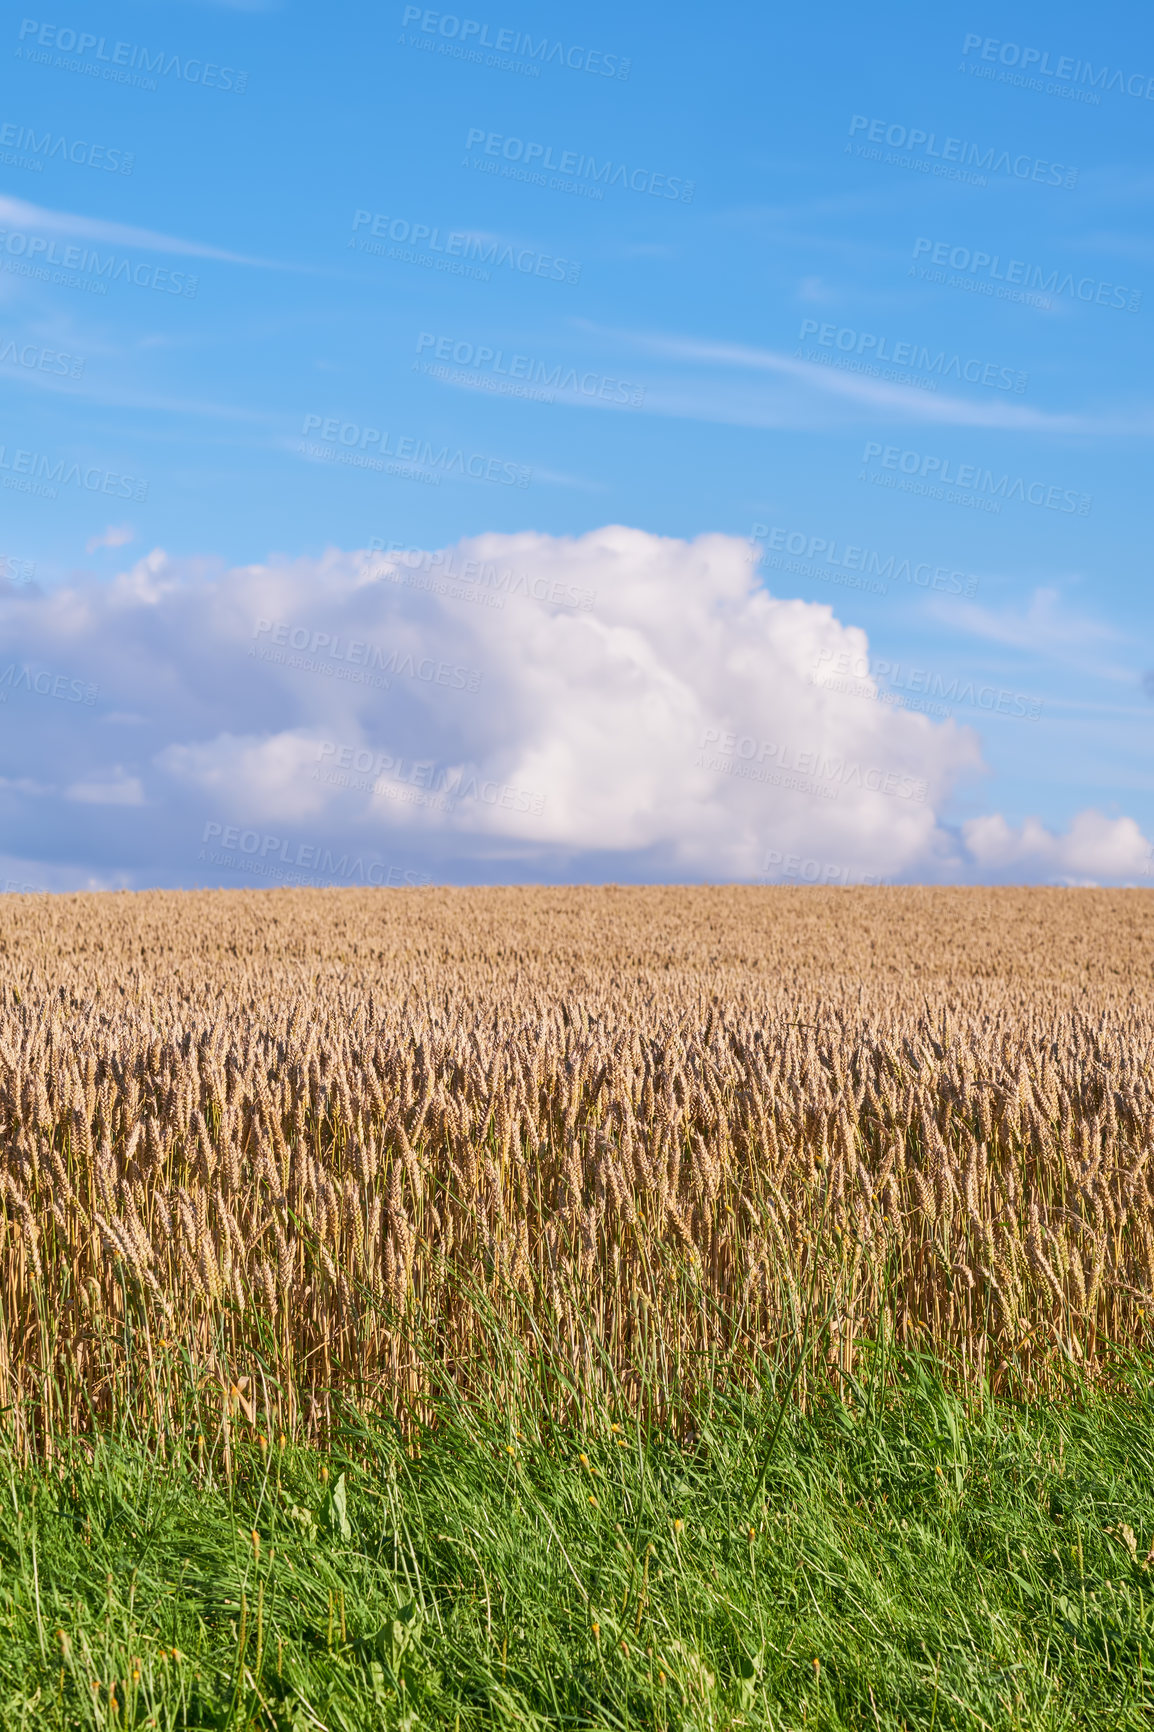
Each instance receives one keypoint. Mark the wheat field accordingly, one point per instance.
(273, 1152)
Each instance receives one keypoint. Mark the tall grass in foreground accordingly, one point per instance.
(275, 1154)
(900, 1558)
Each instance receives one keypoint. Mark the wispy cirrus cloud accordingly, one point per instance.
(906, 399)
(1042, 624)
(1045, 628)
(20, 214)
(892, 398)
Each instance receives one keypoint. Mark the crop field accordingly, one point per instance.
(587, 1288)
(652, 1137)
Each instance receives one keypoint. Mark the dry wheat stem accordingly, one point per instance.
(342, 1142)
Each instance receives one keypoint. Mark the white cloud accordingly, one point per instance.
(1092, 849)
(855, 392)
(118, 789)
(614, 705)
(33, 877)
(816, 292)
(275, 769)
(116, 535)
(1043, 625)
(1045, 628)
(18, 213)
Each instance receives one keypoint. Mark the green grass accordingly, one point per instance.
(915, 1565)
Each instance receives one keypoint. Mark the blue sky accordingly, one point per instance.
(864, 291)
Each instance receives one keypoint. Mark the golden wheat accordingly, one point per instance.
(273, 1150)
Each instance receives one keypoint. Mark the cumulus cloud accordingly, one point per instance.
(1093, 849)
(616, 705)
